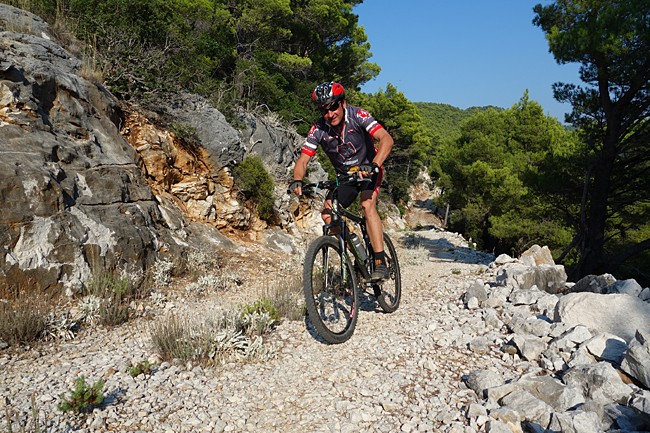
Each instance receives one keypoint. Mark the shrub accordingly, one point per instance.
(108, 300)
(260, 306)
(257, 184)
(83, 398)
(211, 342)
(286, 298)
(23, 317)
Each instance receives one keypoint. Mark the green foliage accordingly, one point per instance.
(413, 144)
(83, 397)
(496, 178)
(611, 42)
(142, 367)
(257, 184)
(245, 53)
(443, 120)
(261, 306)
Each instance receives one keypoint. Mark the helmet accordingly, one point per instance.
(328, 92)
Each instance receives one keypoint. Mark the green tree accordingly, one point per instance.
(414, 143)
(240, 53)
(611, 41)
(492, 178)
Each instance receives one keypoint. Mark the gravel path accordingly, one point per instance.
(399, 372)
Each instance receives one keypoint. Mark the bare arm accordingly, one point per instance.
(384, 147)
(300, 170)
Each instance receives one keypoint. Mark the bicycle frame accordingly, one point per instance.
(345, 242)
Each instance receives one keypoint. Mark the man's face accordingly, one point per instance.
(334, 112)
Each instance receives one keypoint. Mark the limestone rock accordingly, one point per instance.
(618, 314)
(637, 358)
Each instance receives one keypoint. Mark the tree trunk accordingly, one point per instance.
(592, 252)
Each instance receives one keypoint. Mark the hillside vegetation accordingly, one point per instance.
(444, 120)
(513, 176)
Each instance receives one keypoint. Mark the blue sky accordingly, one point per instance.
(463, 52)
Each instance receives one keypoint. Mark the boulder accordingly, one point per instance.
(599, 383)
(548, 278)
(593, 283)
(637, 358)
(537, 256)
(575, 422)
(618, 314)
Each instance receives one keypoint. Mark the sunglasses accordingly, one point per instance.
(332, 107)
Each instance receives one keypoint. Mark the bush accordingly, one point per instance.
(83, 398)
(226, 336)
(256, 183)
(23, 318)
(286, 297)
(112, 294)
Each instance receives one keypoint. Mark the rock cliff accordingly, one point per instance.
(88, 183)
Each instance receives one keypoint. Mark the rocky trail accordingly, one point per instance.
(399, 372)
(457, 356)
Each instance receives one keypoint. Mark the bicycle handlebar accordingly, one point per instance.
(348, 179)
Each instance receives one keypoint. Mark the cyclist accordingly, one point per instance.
(348, 134)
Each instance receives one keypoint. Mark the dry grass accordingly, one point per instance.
(23, 316)
(287, 297)
(112, 294)
(224, 337)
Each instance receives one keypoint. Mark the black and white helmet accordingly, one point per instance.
(328, 92)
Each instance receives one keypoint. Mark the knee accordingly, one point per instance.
(326, 215)
(368, 207)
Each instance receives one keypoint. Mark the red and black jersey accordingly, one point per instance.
(355, 146)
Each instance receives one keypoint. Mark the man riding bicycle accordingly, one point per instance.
(347, 134)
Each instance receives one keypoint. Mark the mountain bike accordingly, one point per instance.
(338, 267)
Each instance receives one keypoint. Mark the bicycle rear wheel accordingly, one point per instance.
(331, 291)
(391, 287)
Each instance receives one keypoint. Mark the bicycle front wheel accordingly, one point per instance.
(331, 291)
(391, 288)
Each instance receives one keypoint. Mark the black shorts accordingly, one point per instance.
(348, 193)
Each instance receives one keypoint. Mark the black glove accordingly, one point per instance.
(295, 184)
(369, 168)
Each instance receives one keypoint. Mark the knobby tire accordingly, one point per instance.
(332, 302)
(391, 288)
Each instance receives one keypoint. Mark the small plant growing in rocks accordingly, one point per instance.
(199, 262)
(229, 335)
(142, 367)
(60, 327)
(83, 397)
(287, 298)
(108, 300)
(158, 299)
(261, 306)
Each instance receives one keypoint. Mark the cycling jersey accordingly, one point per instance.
(355, 146)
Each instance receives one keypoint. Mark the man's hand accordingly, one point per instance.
(296, 187)
(368, 170)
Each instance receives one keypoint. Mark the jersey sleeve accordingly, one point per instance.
(367, 121)
(311, 143)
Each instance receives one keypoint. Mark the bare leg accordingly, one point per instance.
(373, 221)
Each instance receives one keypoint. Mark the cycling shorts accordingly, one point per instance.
(348, 193)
